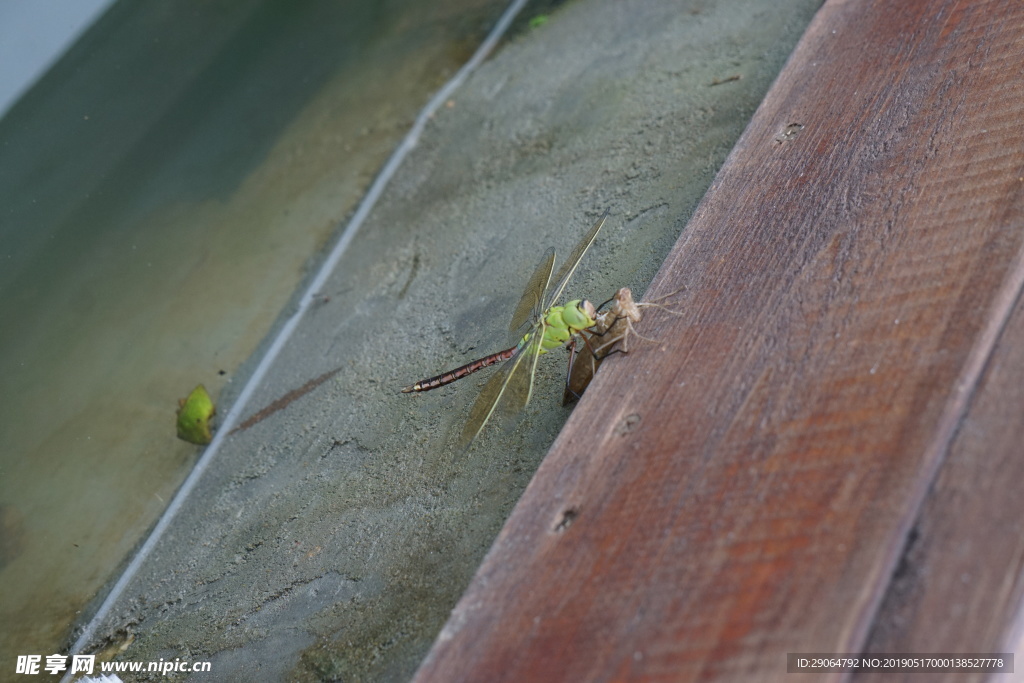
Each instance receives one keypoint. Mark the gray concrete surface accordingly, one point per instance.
(163, 191)
(330, 540)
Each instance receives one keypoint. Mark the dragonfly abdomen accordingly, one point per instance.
(461, 371)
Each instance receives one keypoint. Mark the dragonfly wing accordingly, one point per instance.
(520, 387)
(569, 267)
(507, 392)
(533, 295)
(582, 370)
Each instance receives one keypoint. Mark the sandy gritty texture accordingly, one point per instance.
(162, 192)
(330, 540)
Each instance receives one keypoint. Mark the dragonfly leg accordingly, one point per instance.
(605, 304)
(596, 352)
(574, 357)
(613, 351)
(568, 375)
(586, 342)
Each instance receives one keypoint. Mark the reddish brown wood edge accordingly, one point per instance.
(748, 488)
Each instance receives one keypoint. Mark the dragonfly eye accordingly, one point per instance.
(588, 309)
(587, 314)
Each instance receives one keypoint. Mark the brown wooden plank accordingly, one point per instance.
(960, 583)
(746, 489)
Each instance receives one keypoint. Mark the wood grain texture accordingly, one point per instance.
(746, 489)
(960, 583)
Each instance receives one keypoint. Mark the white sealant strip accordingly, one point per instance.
(365, 207)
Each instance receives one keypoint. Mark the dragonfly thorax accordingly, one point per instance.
(562, 322)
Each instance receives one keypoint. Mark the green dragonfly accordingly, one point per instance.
(547, 327)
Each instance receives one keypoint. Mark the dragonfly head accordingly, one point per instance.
(580, 315)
